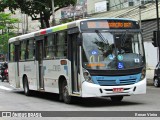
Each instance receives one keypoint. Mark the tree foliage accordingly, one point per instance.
(36, 9)
(7, 27)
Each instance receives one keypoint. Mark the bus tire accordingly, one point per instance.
(156, 82)
(26, 86)
(65, 93)
(116, 98)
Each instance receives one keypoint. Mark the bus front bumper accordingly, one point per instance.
(94, 90)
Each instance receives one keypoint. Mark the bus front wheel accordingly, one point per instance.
(26, 86)
(116, 98)
(65, 93)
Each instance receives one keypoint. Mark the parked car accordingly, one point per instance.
(156, 78)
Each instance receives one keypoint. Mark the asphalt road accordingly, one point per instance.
(14, 100)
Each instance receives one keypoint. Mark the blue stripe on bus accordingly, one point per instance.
(49, 31)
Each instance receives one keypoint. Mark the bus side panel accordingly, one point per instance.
(52, 71)
(29, 69)
(13, 75)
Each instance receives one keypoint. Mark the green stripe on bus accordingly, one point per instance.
(59, 28)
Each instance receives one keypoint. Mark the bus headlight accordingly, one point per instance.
(87, 76)
(143, 74)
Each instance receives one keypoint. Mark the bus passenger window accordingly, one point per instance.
(30, 52)
(49, 47)
(61, 45)
(22, 50)
(12, 52)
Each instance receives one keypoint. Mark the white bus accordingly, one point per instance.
(85, 58)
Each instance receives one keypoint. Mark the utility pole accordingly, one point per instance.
(26, 23)
(140, 14)
(53, 13)
(75, 10)
(141, 6)
(157, 15)
(83, 9)
(158, 34)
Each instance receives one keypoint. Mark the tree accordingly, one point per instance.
(36, 9)
(7, 27)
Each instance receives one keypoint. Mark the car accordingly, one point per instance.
(156, 78)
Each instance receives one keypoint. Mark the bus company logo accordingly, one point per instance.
(6, 114)
(117, 81)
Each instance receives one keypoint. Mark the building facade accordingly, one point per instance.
(120, 4)
(109, 8)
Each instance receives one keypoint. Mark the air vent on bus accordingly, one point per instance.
(116, 82)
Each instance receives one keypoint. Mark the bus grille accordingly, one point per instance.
(116, 82)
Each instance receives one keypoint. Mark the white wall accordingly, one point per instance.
(118, 4)
(101, 6)
(151, 55)
(91, 5)
(151, 58)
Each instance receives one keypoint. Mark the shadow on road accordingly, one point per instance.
(102, 102)
(83, 102)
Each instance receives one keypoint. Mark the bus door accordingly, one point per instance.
(39, 56)
(17, 65)
(13, 66)
(74, 58)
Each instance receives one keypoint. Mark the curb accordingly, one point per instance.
(150, 82)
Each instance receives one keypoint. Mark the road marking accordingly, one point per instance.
(5, 88)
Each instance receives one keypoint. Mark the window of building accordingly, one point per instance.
(131, 3)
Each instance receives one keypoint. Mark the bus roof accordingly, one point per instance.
(59, 28)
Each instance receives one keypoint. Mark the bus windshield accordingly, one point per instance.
(112, 50)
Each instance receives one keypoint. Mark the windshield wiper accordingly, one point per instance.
(123, 39)
(101, 37)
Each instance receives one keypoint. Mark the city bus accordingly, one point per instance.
(81, 59)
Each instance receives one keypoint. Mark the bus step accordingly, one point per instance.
(78, 93)
(41, 89)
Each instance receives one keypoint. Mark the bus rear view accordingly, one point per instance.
(113, 59)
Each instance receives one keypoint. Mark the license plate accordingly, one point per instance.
(118, 89)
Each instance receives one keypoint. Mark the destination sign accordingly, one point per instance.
(109, 24)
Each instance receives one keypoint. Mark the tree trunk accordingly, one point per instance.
(46, 21)
(46, 17)
(41, 21)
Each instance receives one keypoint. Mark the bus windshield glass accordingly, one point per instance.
(112, 50)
